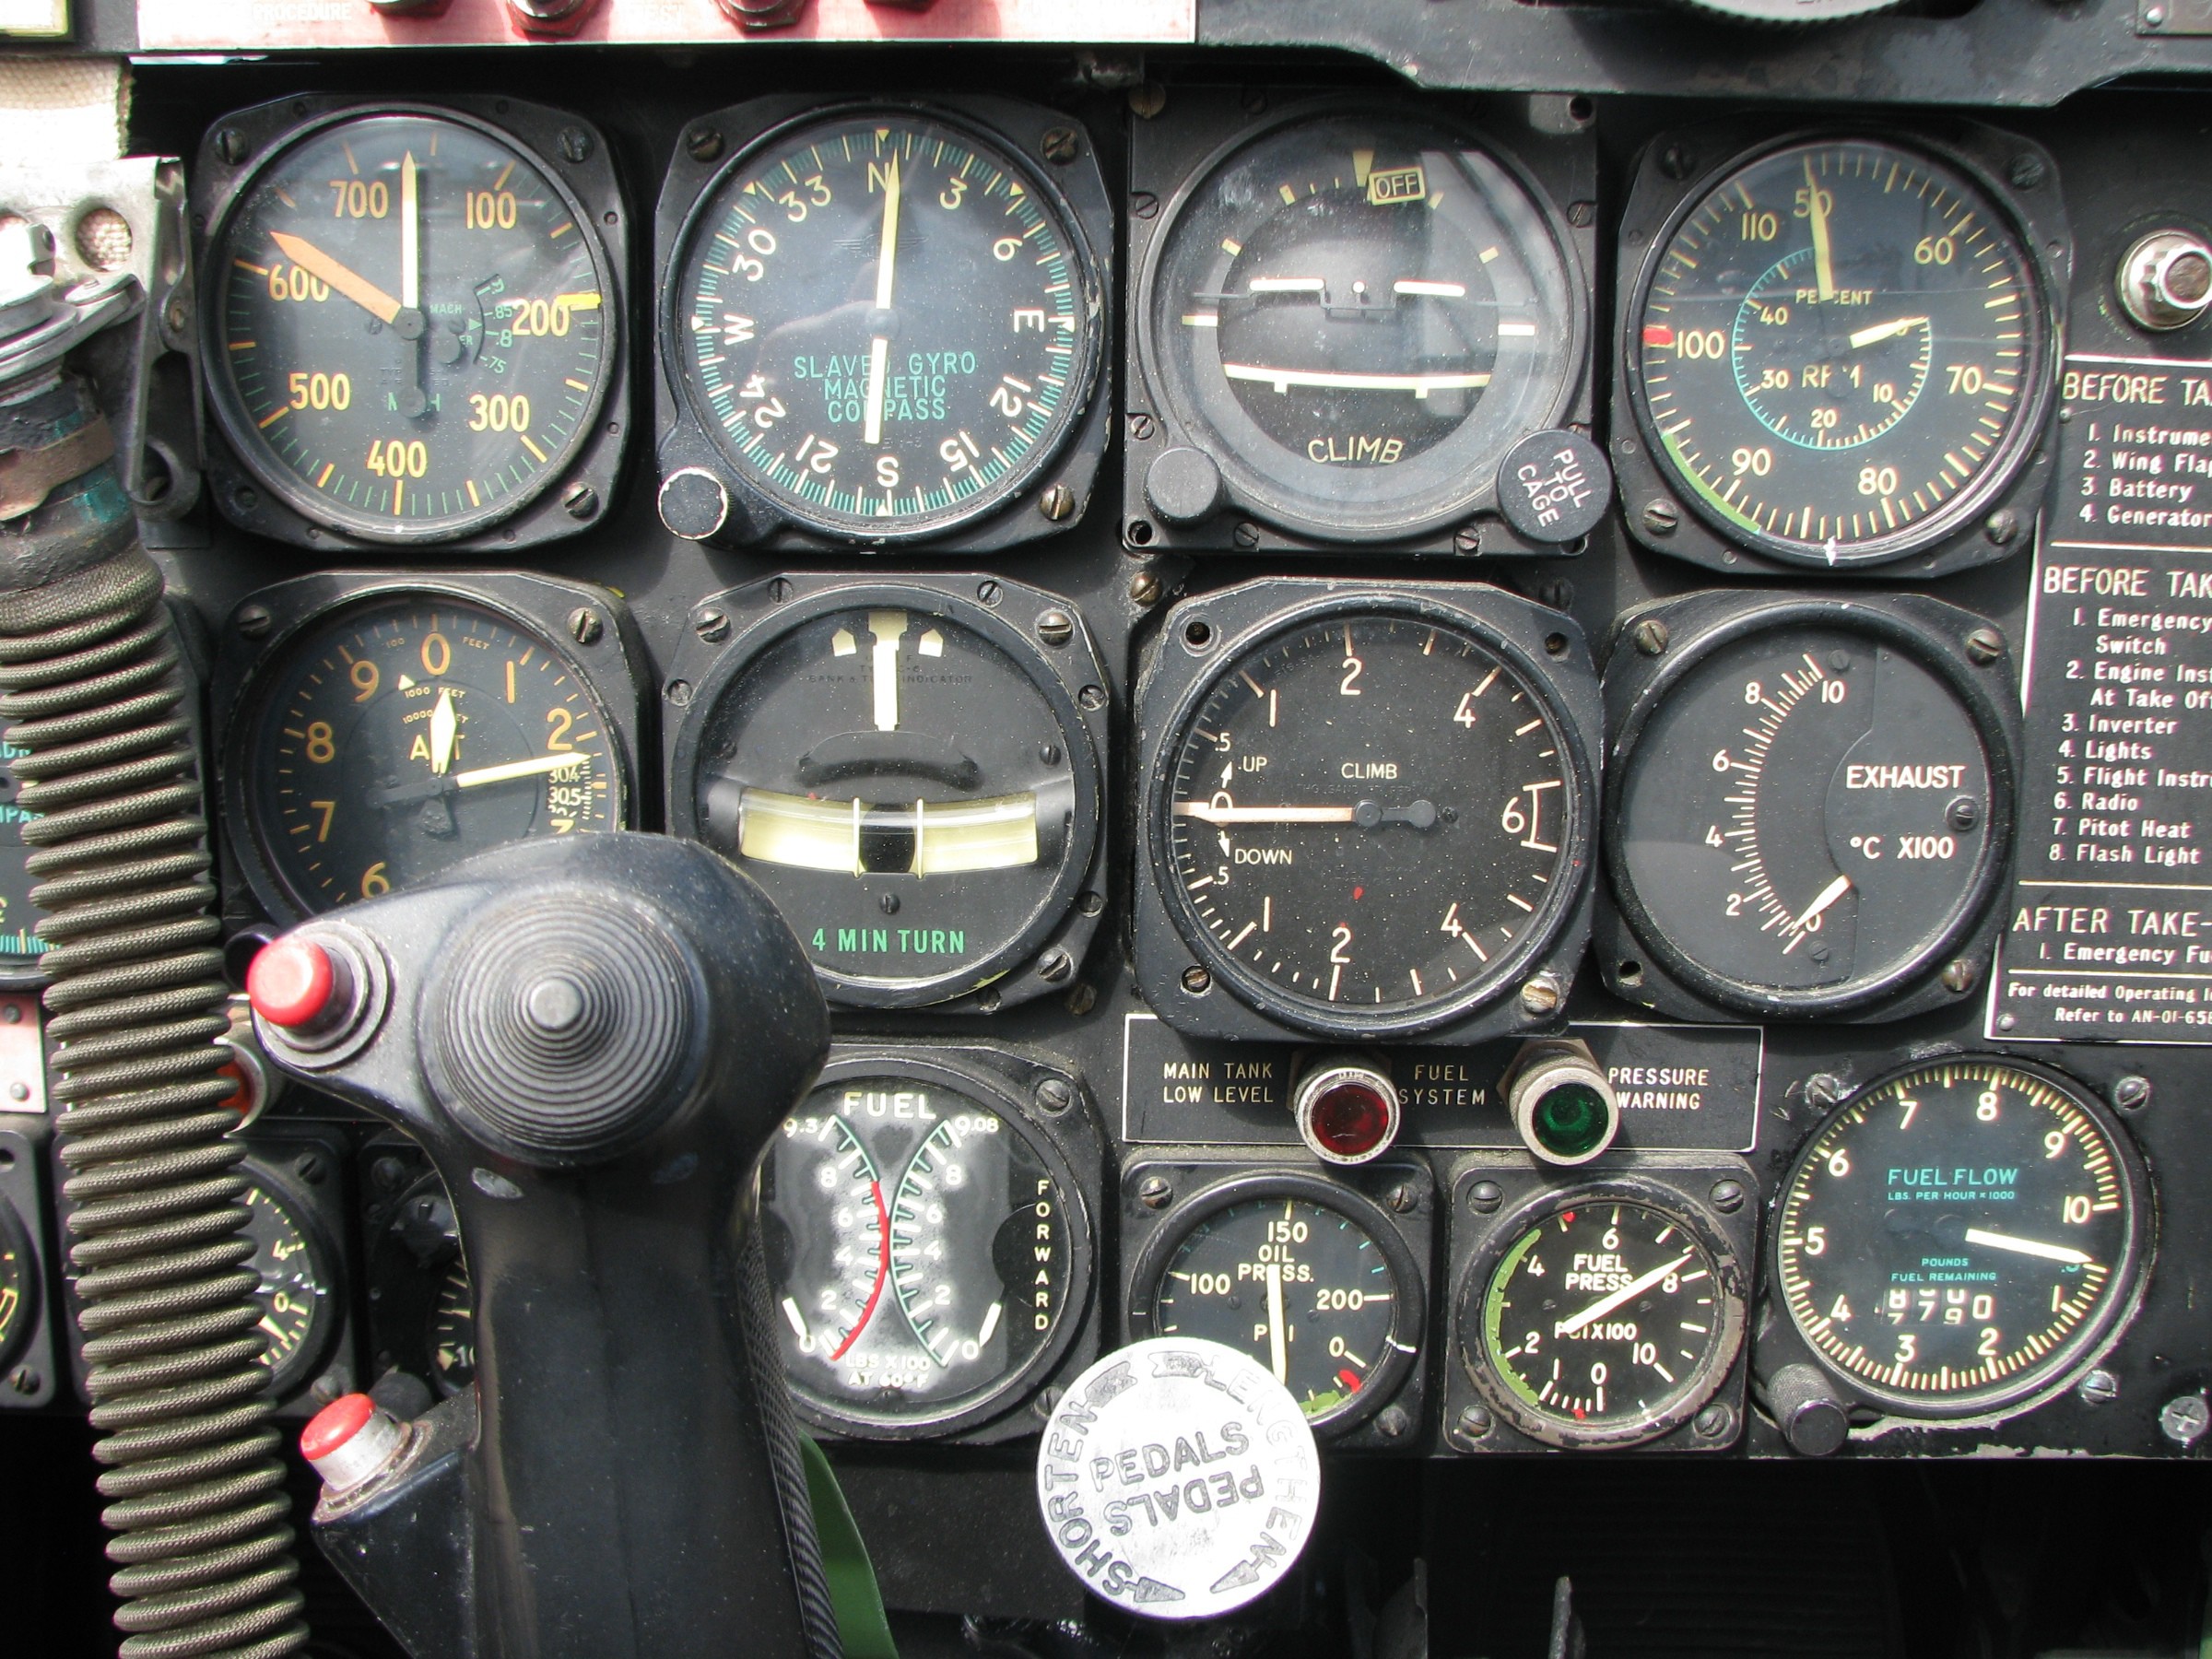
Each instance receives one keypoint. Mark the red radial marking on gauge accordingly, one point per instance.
(1658, 333)
(1358, 893)
(1351, 1383)
(883, 1272)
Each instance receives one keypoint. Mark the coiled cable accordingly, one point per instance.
(88, 667)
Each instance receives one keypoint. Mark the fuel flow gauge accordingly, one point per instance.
(1810, 804)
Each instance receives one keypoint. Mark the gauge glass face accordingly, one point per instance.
(398, 738)
(1604, 1324)
(888, 324)
(19, 944)
(1370, 822)
(1958, 1236)
(413, 326)
(296, 1309)
(1804, 819)
(920, 1252)
(450, 1337)
(1838, 352)
(19, 1283)
(919, 804)
(1357, 316)
(1298, 1285)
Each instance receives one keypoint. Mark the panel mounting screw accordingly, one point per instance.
(1391, 1422)
(2002, 526)
(702, 143)
(1057, 502)
(2131, 1093)
(2154, 16)
(1823, 1089)
(1727, 1196)
(1475, 1421)
(231, 144)
(2028, 172)
(254, 621)
(1958, 975)
(1197, 980)
(575, 145)
(1054, 965)
(2184, 1421)
(1485, 1197)
(1984, 646)
(581, 501)
(1061, 146)
(1652, 637)
(1154, 1192)
(1246, 535)
(1055, 627)
(1660, 516)
(1053, 1095)
(1542, 995)
(1467, 538)
(1581, 213)
(988, 592)
(1143, 204)
(1402, 1200)
(1676, 160)
(1143, 588)
(711, 625)
(2099, 1388)
(584, 625)
(23, 1380)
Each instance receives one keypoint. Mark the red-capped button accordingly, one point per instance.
(336, 1424)
(291, 982)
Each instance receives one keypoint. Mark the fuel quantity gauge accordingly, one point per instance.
(1810, 802)
(928, 1249)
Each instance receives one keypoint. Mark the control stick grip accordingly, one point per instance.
(593, 1039)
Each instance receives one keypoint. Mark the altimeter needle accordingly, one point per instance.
(879, 347)
(444, 728)
(2029, 1247)
(1627, 1293)
(406, 794)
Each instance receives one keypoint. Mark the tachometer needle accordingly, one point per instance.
(1627, 1293)
(2029, 1247)
(1279, 1354)
(444, 728)
(410, 234)
(1885, 330)
(1824, 269)
(350, 283)
(879, 347)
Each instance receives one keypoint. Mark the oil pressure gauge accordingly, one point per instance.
(911, 771)
(1811, 804)
(1370, 807)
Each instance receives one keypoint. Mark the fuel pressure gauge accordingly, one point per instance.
(1810, 802)
(912, 773)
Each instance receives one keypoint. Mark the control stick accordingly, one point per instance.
(593, 1038)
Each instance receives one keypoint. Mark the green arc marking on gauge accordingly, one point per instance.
(1705, 491)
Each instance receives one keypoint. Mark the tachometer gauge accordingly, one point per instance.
(1355, 314)
(298, 1294)
(1599, 1318)
(1307, 1277)
(1370, 815)
(411, 325)
(1961, 1235)
(884, 320)
(913, 776)
(392, 737)
(928, 1250)
(1839, 352)
(1810, 802)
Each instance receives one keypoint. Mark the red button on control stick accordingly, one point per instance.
(291, 982)
(336, 1424)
